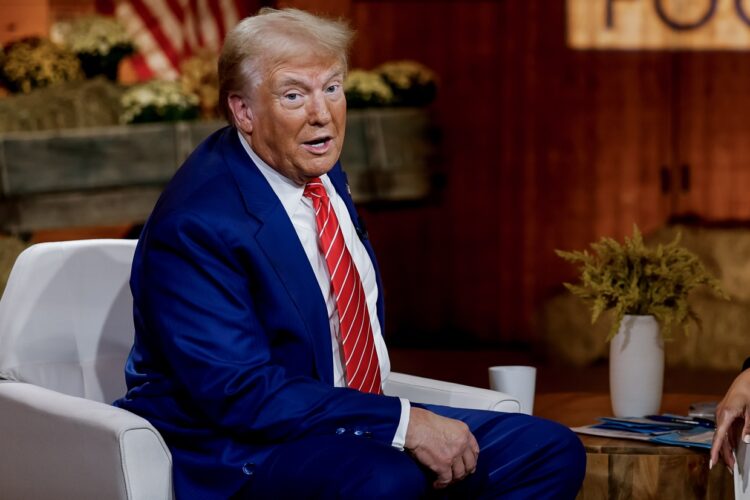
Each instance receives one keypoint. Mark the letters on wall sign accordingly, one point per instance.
(659, 24)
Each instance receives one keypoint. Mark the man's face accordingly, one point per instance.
(299, 116)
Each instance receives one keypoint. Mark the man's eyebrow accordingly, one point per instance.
(336, 73)
(293, 81)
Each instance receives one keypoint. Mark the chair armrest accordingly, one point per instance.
(60, 446)
(430, 391)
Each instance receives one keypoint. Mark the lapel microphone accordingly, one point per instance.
(361, 228)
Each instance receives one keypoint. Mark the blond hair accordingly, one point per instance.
(272, 36)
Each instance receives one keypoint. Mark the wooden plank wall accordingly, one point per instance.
(543, 148)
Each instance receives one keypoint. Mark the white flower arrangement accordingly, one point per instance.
(96, 35)
(366, 88)
(396, 83)
(413, 84)
(158, 100)
(100, 43)
(406, 74)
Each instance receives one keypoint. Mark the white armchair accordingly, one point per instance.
(438, 392)
(66, 329)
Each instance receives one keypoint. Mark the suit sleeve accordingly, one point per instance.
(193, 297)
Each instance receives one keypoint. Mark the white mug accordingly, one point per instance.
(516, 381)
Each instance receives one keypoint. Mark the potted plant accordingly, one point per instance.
(365, 89)
(647, 288)
(34, 62)
(198, 76)
(412, 83)
(394, 83)
(100, 42)
(158, 101)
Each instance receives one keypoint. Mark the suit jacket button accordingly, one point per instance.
(340, 430)
(358, 432)
(248, 468)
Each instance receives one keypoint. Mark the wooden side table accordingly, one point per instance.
(625, 469)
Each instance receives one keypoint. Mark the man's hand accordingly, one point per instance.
(444, 445)
(732, 420)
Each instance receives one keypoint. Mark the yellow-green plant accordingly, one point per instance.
(35, 62)
(632, 278)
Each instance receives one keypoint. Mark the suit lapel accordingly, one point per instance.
(281, 245)
(339, 181)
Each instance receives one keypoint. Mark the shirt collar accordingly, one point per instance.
(289, 193)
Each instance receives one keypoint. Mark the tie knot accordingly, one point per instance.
(315, 189)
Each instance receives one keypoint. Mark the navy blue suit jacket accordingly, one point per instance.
(232, 352)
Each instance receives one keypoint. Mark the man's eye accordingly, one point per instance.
(292, 96)
(332, 88)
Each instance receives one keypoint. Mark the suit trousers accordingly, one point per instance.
(521, 457)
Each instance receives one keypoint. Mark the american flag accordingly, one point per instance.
(166, 32)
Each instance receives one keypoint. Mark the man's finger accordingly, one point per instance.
(470, 461)
(459, 469)
(474, 447)
(439, 484)
(444, 478)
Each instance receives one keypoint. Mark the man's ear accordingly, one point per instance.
(243, 115)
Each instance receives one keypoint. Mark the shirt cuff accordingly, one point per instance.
(399, 440)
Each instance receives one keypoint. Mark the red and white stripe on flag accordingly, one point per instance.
(166, 32)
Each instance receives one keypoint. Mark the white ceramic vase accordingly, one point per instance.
(636, 367)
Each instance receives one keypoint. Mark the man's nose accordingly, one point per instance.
(318, 112)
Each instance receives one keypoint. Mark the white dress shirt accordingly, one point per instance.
(301, 212)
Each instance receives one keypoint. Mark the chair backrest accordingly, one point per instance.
(66, 317)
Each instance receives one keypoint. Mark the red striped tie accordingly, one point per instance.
(360, 357)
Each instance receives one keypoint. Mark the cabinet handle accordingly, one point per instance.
(685, 178)
(666, 179)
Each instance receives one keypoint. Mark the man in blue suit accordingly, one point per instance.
(239, 357)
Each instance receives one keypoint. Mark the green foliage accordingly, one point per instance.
(634, 279)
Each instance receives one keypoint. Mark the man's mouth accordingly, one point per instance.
(318, 145)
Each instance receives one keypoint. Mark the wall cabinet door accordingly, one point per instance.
(712, 143)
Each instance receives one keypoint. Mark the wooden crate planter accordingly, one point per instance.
(84, 177)
(113, 175)
(388, 154)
